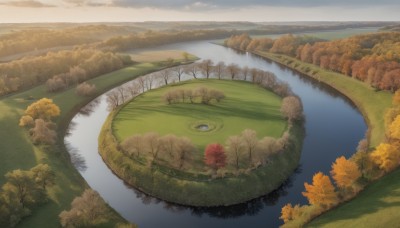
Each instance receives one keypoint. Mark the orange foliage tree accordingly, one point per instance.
(289, 212)
(43, 109)
(215, 156)
(386, 156)
(321, 191)
(345, 172)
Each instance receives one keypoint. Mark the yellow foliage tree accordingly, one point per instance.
(289, 212)
(345, 172)
(396, 98)
(386, 156)
(26, 121)
(321, 191)
(43, 109)
(394, 129)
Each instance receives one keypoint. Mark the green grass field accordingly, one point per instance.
(245, 106)
(373, 104)
(17, 151)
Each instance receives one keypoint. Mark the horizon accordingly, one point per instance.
(92, 11)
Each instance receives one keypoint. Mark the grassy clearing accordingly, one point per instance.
(373, 104)
(17, 151)
(377, 206)
(245, 106)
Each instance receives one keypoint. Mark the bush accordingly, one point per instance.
(85, 89)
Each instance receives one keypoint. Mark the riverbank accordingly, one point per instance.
(371, 103)
(200, 189)
(18, 152)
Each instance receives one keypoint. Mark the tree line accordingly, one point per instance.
(23, 191)
(371, 58)
(58, 69)
(203, 69)
(349, 175)
(201, 95)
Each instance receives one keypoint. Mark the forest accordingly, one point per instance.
(371, 58)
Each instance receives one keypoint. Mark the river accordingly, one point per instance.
(333, 128)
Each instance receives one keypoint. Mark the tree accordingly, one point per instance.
(386, 156)
(250, 142)
(233, 70)
(292, 108)
(345, 172)
(214, 156)
(235, 149)
(394, 129)
(113, 99)
(43, 109)
(184, 151)
(153, 143)
(26, 121)
(289, 212)
(192, 69)
(165, 74)
(321, 191)
(85, 89)
(179, 70)
(206, 67)
(169, 144)
(245, 72)
(43, 133)
(43, 175)
(363, 145)
(86, 210)
(219, 69)
(133, 145)
(396, 98)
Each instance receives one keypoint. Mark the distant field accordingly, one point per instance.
(156, 56)
(330, 34)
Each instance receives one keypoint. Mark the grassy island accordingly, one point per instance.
(245, 106)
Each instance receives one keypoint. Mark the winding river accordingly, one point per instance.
(333, 128)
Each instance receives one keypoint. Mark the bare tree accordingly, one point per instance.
(245, 72)
(255, 74)
(152, 141)
(233, 70)
(133, 145)
(292, 108)
(122, 93)
(179, 70)
(219, 69)
(190, 95)
(184, 151)
(235, 149)
(113, 99)
(133, 89)
(142, 83)
(150, 79)
(250, 141)
(169, 145)
(206, 67)
(43, 132)
(192, 69)
(165, 74)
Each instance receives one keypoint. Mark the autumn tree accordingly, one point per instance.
(43, 132)
(214, 156)
(219, 69)
(235, 149)
(85, 89)
(192, 69)
(133, 145)
(43, 109)
(289, 212)
(250, 142)
(292, 108)
(345, 172)
(185, 149)
(86, 210)
(394, 129)
(386, 156)
(179, 70)
(321, 191)
(43, 175)
(26, 121)
(153, 144)
(233, 70)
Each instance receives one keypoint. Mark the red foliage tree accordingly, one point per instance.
(214, 156)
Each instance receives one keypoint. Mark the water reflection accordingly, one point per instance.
(89, 108)
(76, 158)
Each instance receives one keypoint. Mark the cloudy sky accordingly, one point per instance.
(197, 10)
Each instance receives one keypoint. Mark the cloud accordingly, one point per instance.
(26, 4)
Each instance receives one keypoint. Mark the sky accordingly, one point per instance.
(20, 11)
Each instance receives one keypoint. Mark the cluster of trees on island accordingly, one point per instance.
(350, 175)
(203, 95)
(372, 58)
